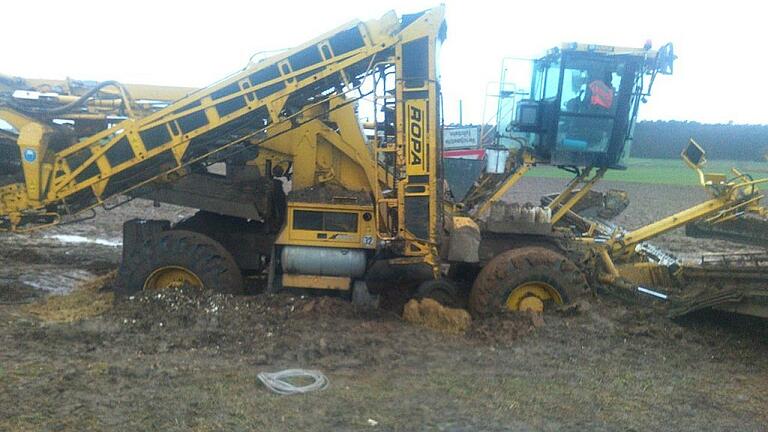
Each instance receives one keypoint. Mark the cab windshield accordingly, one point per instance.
(588, 102)
(587, 106)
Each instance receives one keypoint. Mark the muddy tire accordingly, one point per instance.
(531, 265)
(186, 251)
(440, 290)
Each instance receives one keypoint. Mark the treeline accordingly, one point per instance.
(666, 139)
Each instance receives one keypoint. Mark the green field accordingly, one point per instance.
(662, 171)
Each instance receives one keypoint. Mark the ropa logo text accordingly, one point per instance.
(416, 129)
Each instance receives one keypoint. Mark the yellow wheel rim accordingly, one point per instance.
(172, 277)
(532, 296)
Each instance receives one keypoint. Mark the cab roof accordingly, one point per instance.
(604, 49)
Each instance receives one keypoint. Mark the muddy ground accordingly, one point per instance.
(188, 361)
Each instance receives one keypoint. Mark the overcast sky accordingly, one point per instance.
(718, 76)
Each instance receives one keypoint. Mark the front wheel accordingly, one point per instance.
(528, 278)
(177, 258)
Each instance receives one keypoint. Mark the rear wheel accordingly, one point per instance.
(440, 290)
(176, 258)
(527, 278)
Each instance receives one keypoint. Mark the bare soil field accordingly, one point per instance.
(182, 360)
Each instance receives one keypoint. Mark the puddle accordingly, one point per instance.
(55, 280)
(69, 238)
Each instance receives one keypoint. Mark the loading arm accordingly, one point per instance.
(729, 199)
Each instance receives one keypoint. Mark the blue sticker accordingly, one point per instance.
(30, 155)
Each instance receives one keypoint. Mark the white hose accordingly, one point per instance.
(277, 381)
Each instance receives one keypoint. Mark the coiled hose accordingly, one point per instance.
(278, 381)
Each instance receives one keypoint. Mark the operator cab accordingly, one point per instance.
(583, 103)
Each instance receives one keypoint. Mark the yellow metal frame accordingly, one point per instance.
(506, 185)
(341, 283)
(729, 200)
(363, 238)
(568, 198)
(418, 146)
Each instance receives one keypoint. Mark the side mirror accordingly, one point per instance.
(665, 59)
(694, 155)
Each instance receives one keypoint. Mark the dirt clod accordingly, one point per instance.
(87, 300)
(431, 314)
(575, 308)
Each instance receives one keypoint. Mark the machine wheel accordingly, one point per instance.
(175, 258)
(440, 290)
(527, 278)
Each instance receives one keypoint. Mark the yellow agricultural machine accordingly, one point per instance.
(290, 183)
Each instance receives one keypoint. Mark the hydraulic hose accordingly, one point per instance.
(127, 101)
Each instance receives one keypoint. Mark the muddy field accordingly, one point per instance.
(188, 361)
